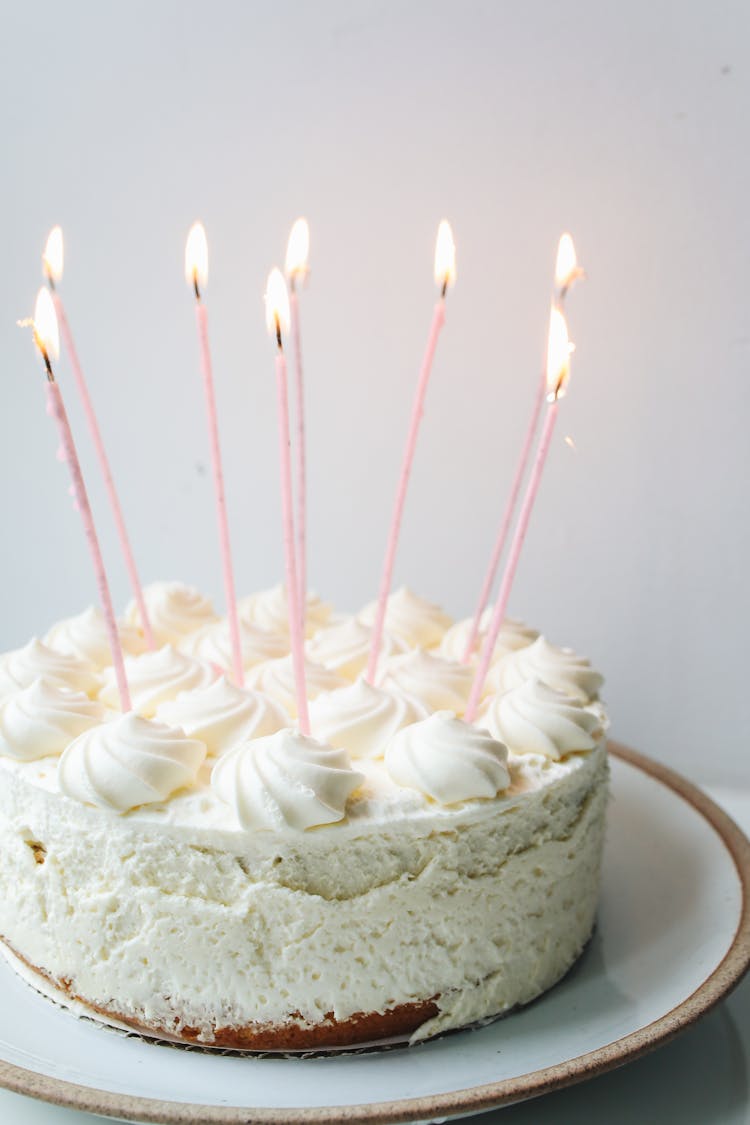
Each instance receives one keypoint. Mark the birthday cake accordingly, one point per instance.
(200, 871)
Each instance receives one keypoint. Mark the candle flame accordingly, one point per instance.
(445, 256)
(196, 256)
(298, 250)
(277, 303)
(52, 258)
(44, 326)
(567, 269)
(559, 349)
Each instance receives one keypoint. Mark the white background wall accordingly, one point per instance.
(626, 123)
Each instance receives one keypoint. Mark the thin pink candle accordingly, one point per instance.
(445, 275)
(567, 271)
(196, 272)
(558, 371)
(277, 319)
(297, 254)
(47, 340)
(53, 267)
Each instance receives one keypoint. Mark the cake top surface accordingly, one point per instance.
(202, 754)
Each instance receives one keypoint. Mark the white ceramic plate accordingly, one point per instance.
(673, 938)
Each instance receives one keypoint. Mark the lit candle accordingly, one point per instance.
(196, 274)
(52, 262)
(567, 271)
(277, 321)
(46, 338)
(297, 269)
(557, 375)
(445, 275)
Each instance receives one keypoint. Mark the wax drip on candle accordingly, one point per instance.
(196, 273)
(567, 272)
(445, 275)
(297, 269)
(559, 350)
(52, 263)
(277, 319)
(46, 337)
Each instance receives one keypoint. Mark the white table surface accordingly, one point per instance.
(700, 1078)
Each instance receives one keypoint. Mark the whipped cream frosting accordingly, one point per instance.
(561, 668)
(448, 760)
(154, 677)
(285, 781)
(439, 684)
(418, 622)
(345, 646)
(213, 644)
(85, 636)
(362, 718)
(512, 636)
(127, 762)
(19, 669)
(42, 719)
(535, 718)
(223, 715)
(174, 611)
(276, 679)
(269, 610)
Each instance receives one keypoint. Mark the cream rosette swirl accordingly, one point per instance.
(535, 718)
(439, 684)
(345, 647)
(86, 637)
(275, 678)
(223, 715)
(213, 645)
(285, 782)
(155, 677)
(127, 762)
(19, 669)
(447, 760)
(362, 718)
(561, 668)
(174, 611)
(44, 718)
(418, 622)
(269, 609)
(512, 636)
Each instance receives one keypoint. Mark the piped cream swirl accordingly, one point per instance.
(285, 781)
(223, 715)
(155, 677)
(441, 685)
(418, 622)
(512, 636)
(561, 668)
(447, 760)
(345, 647)
(19, 669)
(361, 718)
(174, 611)
(128, 762)
(275, 678)
(86, 637)
(42, 719)
(213, 644)
(536, 719)
(269, 609)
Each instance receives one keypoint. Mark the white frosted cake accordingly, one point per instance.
(200, 871)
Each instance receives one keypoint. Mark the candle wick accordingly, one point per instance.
(195, 286)
(48, 365)
(293, 281)
(50, 280)
(278, 333)
(445, 287)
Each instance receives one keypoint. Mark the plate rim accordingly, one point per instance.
(475, 1099)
